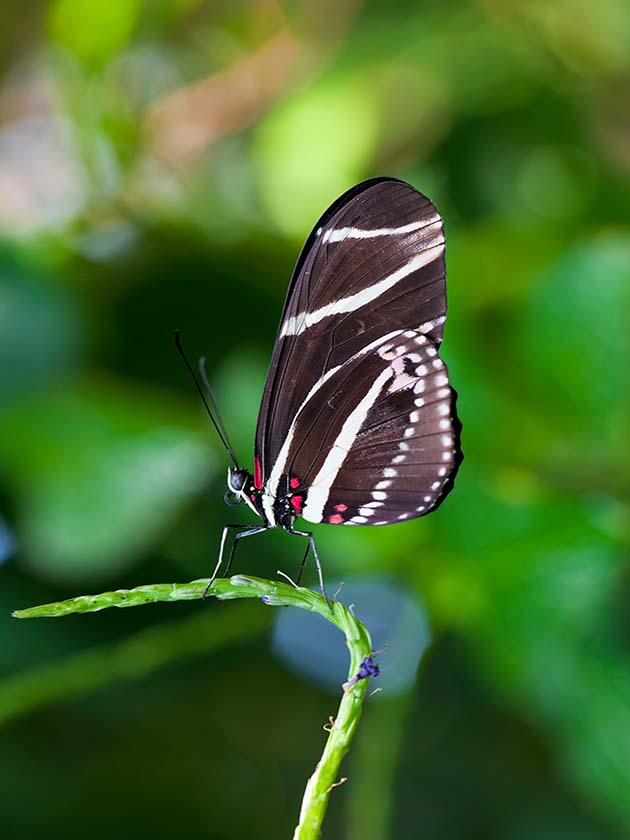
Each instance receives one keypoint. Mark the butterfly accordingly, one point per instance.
(358, 422)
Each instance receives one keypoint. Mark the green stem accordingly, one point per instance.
(325, 776)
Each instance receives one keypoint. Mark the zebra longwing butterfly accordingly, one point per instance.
(357, 424)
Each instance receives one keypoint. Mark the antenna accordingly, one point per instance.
(209, 389)
(220, 429)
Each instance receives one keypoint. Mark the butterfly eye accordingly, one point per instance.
(231, 499)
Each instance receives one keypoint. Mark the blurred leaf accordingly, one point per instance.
(40, 329)
(92, 29)
(547, 580)
(100, 471)
(313, 147)
(573, 343)
(575, 334)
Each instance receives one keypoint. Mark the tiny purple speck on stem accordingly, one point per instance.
(368, 668)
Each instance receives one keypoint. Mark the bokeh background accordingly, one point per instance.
(160, 165)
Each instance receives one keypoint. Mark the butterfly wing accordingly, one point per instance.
(376, 441)
(373, 264)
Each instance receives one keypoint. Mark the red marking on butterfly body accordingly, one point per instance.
(258, 482)
(335, 519)
(341, 507)
(297, 502)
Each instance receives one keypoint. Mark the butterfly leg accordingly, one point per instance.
(303, 566)
(248, 532)
(226, 531)
(320, 574)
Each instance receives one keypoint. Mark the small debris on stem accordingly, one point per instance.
(368, 668)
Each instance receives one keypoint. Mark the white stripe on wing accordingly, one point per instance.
(319, 491)
(279, 467)
(296, 324)
(340, 234)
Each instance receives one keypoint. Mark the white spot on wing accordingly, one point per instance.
(427, 326)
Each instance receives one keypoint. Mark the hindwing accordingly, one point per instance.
(376, 440)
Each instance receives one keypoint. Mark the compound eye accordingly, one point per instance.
(236, 480)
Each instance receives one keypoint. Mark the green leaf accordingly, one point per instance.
(94, 30)
(100, 472)
(313, 147)
(574, 333)
(33, 305)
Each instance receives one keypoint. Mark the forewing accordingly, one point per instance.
(373, 264)
(377, 440)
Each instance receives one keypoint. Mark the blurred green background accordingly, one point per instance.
(160, 165)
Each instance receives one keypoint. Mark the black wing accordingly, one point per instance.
(376, 441)
(373, 264)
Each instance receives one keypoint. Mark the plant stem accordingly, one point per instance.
(273, 593)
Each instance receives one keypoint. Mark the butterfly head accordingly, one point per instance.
(237, 486)
(241, 488)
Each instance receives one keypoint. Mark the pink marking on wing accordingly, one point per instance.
(294, 482)
(341, 507)
(297, 502)
(335, 519)
(258, 482)
(252, 496)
